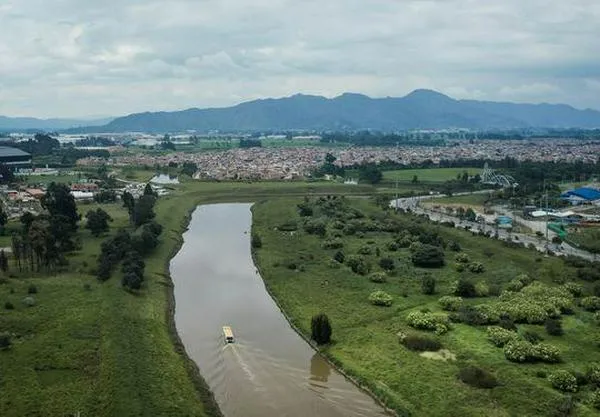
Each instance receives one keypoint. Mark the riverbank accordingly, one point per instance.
(304, 280)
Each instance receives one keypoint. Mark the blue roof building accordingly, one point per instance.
(581, 195)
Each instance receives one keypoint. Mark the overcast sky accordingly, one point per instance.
(82, 58)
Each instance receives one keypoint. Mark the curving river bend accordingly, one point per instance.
(270, 370)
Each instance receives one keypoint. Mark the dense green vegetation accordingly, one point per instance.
(428, 174)
(508, 324)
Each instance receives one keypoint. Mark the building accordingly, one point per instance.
(583, 195)
(14, 157)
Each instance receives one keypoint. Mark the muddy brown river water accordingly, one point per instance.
(269, 370)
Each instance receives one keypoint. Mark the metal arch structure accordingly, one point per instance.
(489, 176)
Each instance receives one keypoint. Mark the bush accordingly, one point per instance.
(358, 264)
(427, 256)
(32, 289)
(428, 284)
(392, 246)
(532, 337)
(333, 264)
(553, 327)
(365, 250)
(500, 336)
(428, 321)
(595, 399)
(523, 351)
(597, 317)
(5, 341)
(478, 315)
(9, 306)
(332, 244)
(476, 267)
(590, 303)
(315, 227)
(465, 288)
(482, 289)
(506, 323)
(477, 377)
(339, 257)
(515, 285)
(454, 246)
(563, 381)
(420, 343)
(29, 301)
(593, 373)
(378, 277)
(575, 289)
(462, 258)
(380, 298)
(450, 303)
(320, 329)
(459, 267)
(387, 264)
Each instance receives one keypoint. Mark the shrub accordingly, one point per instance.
(553, 327)
(29, 301)
(358, 264)
(365, 250)
(476, 267)
(450, 303)
(563, 381)
(392, 246)
(427, 256)
(588, 274)
(378, 277)
(477, 377)
(459, 267)
(339, 257)
(590, 303)
(256, 241)
(333, 264)
(465, 288)
(32, 289)
(597, 317)
(428, 284)
(87, 287)
(332, 244)
(500, 337)
(575, 289)
(9, 306)
(506, 323)
(462, 258)
(428, 321)
(515, 285)
(420, 343)
(564, 407)
(315, 227)
(320, 329)
(523, 351)
(595, 399)
(387, 264)
(380, 298)
(454, 246)
(478, 315)
(593, 373)
(482, 289)
(532, 337)
(5, 341)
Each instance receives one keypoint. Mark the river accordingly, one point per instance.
(270, 370)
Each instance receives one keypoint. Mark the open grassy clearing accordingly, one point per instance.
(428, 174)
(305, 280)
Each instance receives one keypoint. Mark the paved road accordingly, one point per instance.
(413, 204)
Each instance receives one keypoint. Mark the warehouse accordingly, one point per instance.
(581, 195)
(14, 158)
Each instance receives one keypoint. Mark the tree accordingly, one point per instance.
(320, 329)
(6, 174)
(149, 191)
(143, 211)
(3, 261)
(58, 200)
(370, 173)
(3, 217)
(256, 241)
(189, 169)
(470, 215)
(97, 221)
(415, 179)
(26, 219)
(428, 284)
(106, 196)
(428, 256)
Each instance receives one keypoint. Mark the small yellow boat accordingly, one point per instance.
(228, 334)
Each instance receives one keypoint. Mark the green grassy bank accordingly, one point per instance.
(92, 348)
(304, 279)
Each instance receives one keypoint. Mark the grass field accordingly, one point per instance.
(428, 175)
(364, 336)
(100, 350)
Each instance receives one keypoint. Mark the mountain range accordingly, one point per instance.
(421, 109)
(31, 123)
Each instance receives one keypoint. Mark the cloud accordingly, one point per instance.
(80, 57)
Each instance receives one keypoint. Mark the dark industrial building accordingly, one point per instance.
(14, 158)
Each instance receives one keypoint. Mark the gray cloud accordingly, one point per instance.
(79, 58)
